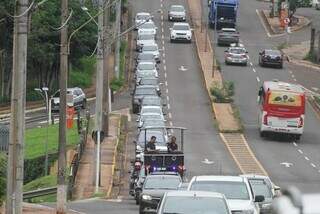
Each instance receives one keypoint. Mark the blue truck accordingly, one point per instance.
(224, 12)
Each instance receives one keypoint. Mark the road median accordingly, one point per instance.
(223, 113)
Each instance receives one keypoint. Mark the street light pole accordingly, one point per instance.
(118, 43)
(46, 99)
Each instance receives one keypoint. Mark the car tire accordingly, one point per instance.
(245, 64)
(226, 62)
(262, 134)
(171, 40)
(135, 109)
(281, 66)
(84, 104)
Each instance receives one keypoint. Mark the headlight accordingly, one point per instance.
(146, 197)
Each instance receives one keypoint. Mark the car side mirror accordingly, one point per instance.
(259, 198)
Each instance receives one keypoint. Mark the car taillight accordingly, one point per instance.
(181, 168)
(265, 119)
(244, 56)
(300, 124)
(228, 55)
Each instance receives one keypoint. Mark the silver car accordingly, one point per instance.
(79, 99)
(148, 28)
(236, 55)
(177, 13)
(143, 39)
(141, 18)
(152, 48)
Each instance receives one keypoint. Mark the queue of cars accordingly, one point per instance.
(163, 191)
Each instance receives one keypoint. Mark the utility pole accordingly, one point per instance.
(106, 89)
(99, 91)
(118, 43)
(62, 187)
(18, 104)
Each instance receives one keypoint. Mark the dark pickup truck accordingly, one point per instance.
(227, 36)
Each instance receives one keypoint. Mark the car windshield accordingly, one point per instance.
(237, 50)
(162, 182)
(177, 8)
(154, 123)
(148, 25)
(149, 48)
(151, 110)
(146, 74)
(232, 190)
(146, 66)
(149, 82)
(151, 101)
(145, 37)
(260, 187)
(160, 140)
(181, 27)
(191, 205)
(151, 117)
(145, 56)
(272, 52)
(142, 16)
(145, 91)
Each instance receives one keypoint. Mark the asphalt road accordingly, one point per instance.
(304, 156)
(188, 106)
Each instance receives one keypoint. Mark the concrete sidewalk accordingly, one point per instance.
(85, 181)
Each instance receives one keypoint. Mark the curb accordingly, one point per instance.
(304, 63)
(273, 31)
(115, 153)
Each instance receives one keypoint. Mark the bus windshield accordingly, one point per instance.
(285, 98)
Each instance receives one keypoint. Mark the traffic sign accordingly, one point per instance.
(286, 21)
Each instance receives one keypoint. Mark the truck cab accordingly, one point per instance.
(223, 13)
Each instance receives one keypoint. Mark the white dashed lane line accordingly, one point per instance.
(168, 98)
(165, 68)
(168, 105)
(313, 165)
(254, 70)
(300, 151)
(170, 115)
(305, 157)
(258, 79)
(165, 75)
(295, 144)
(167, 90)
(166, 83)
(251, 64)
(163, 55)
(164, 61)
(294, 79)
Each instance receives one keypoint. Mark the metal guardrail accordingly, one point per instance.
(39, 192)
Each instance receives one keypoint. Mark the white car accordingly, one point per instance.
(235, 188)
(151, 109)
(181, 31)
(142, 66)
(148, 28)
(143, 39)
(152, 48)
(149, 116)
(177, 13)
(141, 18)
(236, 54)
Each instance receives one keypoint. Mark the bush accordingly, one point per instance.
(311, 56)
(116, 84)
(3, 177)
(223, 94)
(81, 74)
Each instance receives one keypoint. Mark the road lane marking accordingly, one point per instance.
(167, 91)
(254, 70)
(300, 151)
(164, 55)
(166, 83)
(162, 36)
(171, 124)
(290, 72)
(163, 42)
(292, 76)
(251, 64)
(295, 80)
(161, 5)
(242, 154)
(305, 157)
(168, 105)
(165, 75)
(248, 57)
(286, 164)
(168, 98)
(164, 61)
(170, 115)
(165, 67)
(161, 17)
(258, 79)
(313, 165)
(295, 144)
